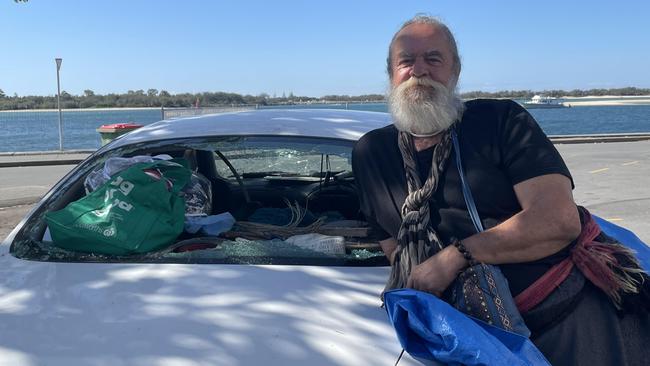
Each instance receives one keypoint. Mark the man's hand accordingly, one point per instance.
(389, 246)
(438, 272)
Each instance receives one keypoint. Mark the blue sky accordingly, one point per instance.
(312, 48)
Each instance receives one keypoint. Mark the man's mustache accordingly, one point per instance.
(415, 81)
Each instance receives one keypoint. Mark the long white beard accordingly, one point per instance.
(424, 107)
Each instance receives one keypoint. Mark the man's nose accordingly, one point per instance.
(419, 69)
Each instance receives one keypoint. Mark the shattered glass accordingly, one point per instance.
(274, 248)
(256, 155)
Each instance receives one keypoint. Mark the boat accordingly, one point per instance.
(539, 101)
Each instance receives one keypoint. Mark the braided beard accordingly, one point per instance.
(422, 106)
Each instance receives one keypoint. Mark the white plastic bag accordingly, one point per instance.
(113, 166)
(333, 245)
(198, 195)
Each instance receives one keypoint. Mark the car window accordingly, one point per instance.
(299, 157)
(248, 199)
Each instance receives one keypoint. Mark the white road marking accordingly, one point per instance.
(614, 219)
(630, 163)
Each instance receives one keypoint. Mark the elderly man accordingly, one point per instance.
(411, 193)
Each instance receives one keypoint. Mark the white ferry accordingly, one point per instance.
(539, 101)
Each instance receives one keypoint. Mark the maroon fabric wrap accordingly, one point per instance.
(540, 289)
(595, 260)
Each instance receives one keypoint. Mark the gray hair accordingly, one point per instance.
(435, 22)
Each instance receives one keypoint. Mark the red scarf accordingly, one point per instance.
(596, 261)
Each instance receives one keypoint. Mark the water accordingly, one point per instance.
(38, 131)
(593, 119)
(584, 120)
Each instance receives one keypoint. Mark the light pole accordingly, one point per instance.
(58, 101)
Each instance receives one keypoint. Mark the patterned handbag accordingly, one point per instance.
(481, 291)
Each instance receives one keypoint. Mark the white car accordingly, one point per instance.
(204, 307)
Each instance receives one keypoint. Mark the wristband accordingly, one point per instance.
(465, 253)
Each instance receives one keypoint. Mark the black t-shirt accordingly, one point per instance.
(501, 145)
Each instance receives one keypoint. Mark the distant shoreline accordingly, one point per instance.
(607, 100)
(610, 97)
(591, 100)
(599, 100)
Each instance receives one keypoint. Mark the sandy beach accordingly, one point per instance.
(607, 100)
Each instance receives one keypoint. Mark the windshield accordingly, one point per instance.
(255, 156)
(242, 199)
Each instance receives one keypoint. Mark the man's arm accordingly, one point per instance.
(548, 222)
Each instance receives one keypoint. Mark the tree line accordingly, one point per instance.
(162, 98)
(527, 94)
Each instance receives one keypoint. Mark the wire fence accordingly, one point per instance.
(38, 130)
(168, 113)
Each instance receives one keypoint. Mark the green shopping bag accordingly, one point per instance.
(139, 210)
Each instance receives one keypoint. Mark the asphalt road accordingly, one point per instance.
(612, 180)
(21, 187)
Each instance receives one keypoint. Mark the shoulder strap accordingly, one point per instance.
(467, 193)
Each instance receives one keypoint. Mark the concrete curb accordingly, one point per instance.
(599, 138)
(52, 152)
(40, 163)
(22, 201)
(42, 158)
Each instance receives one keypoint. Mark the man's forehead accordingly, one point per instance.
(426, 53)
(423, 37)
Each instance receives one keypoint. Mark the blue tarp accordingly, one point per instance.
(430, 329)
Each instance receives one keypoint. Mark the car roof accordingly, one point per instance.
(324, 123)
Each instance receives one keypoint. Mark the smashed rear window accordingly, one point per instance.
(249, 200)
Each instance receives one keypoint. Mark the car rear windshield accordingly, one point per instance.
(248, 199)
